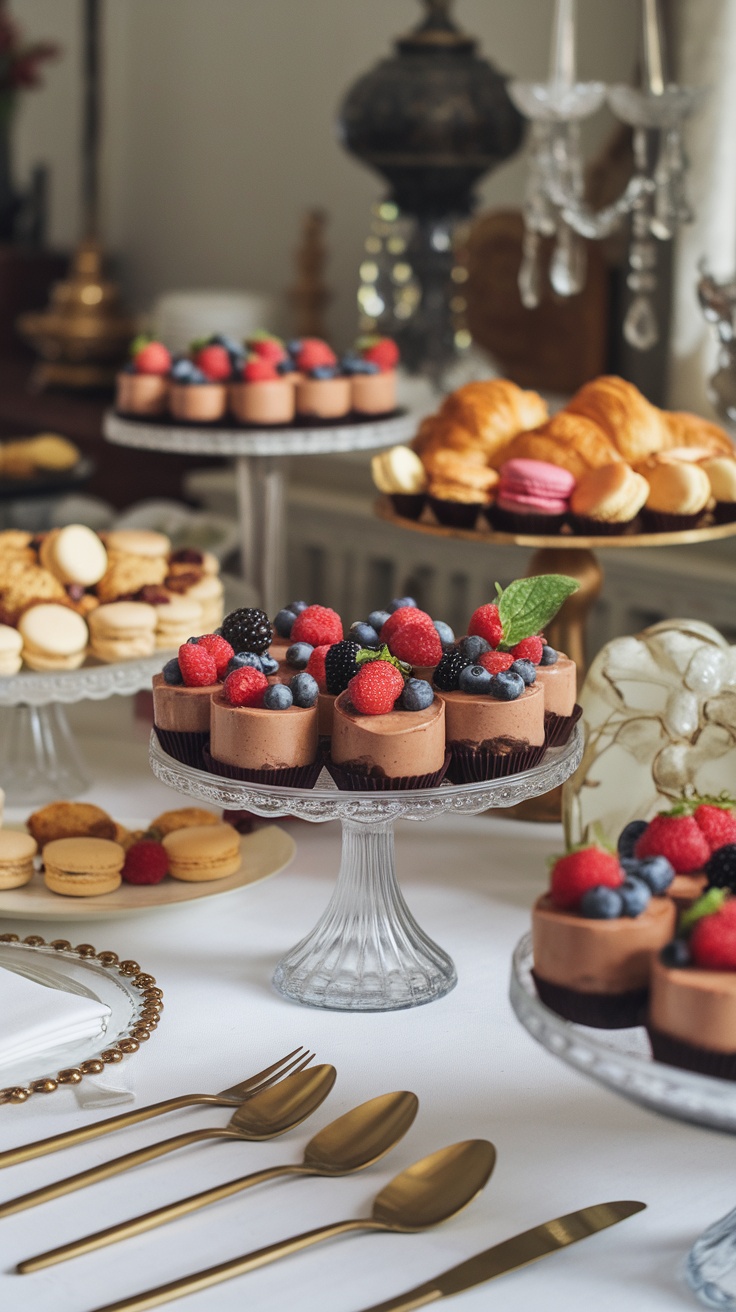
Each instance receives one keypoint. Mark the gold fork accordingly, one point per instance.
(232, 1097)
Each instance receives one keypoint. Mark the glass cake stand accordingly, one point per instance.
(39, 759)
(259, 455)
(367, 952)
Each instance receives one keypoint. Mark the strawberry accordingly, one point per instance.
(152, 359)
(713, 939)
(485, 622)
(198, 666)
(269, 348)
(146, 862)
(585, 868)
(529, 649)
(677, 837)
(313, 352)
(245, 687)
(219, 649)
(214, 362)
(382, 351)
(406, 617)
(416, 645)
(317, 625)
(375, 688)
(496, 661)
(316, 665)
(259, 371)
(717, 823)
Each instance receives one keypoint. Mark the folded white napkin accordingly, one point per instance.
(39, 1020)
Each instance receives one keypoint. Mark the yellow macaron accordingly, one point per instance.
(17, 851)
(83, 867)
(54, 637)
(122, 630)
(203, 852)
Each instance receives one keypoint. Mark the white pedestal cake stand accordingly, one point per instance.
(39, 760)
(367, 952)
(259, 455)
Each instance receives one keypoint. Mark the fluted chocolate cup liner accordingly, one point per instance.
(473, 765)
(603, 1011)
(656, 521)
(599, 528)
(407, 504)
(455, 514)
(297, 776)
(353, 781)
(510, 521)
(676, 1052)
(724, 512)
(559, 727)
(185, 747)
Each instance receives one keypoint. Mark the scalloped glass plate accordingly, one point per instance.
(620, 1059)
(91, 682)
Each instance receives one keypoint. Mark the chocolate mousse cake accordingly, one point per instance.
(489, 736)
(557, 675)
(690, 835)
(399, 749)
(260, 732)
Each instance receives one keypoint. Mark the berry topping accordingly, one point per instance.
(283, 623)
(506, 687)
(375, 688)
(381, 351)
(526, 670)
(713, 940)
(444, 633)
(407, 617)
(245, 687)
(717, 822)
(172, 673)
(635, 895)
(676, 954)
(304, 690)
(549, 656)
(677, 837)
(269, 664)
(474, 679)
(153, 358)
(297, 655)
(214, 362)
(197, 665)
(268, 348)
(655, 871)
(259, 371)
(496, 661)
(364, 634)
(297, 606)
(416, 644)
(377, 619)
(243, 659)
(220, 649)
(316, 666)
(146, 862)
(602, 903)
(317, 625)
(402, 603)
(340, 665)
(485, 622)
(446, 676)
(720, 867)
(417, 695)
(628, 837)
(183, 370)
(529, 649)
(247, 629)
(475, 647)
(586, 868)
(313, 353)
(278, 697)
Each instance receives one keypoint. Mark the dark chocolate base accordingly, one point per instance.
(185, 747)
(297, 776)
(408, 505)
(350, 780)
(455, 514)
(675, 1052)
(559, 727)
(473, 765)
(603, 1011)
(515, 521)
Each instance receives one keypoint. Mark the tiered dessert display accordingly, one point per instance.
(394, 712)
(257, 403)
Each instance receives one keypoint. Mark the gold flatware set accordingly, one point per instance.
(267, 1105)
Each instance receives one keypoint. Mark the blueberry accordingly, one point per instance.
(192, 642)
(130, 368)
(444, 633)
(657, 872)
(243, 658)
(171, 672)
(283, 623)
(377, 619)
(354, 364)
(549, 656)
(294, 346)
(526, 670)
(269, 664)
(505, 686)
(628, 837)
(635, 895)
(234, 348)
(474, 647)
(297, 606)
(297, 655)
(278, 697)
(365, 634)
(676, 953)
(417, 695)
(601, 903)
(286, 366)
(304, 690)
(323, 371)
(474, 678)
(196, 376)
(182, 370)
(399, 603)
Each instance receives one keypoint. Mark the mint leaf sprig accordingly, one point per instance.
(526, 606)
(382, 654)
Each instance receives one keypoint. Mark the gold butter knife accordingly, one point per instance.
(512, 1254)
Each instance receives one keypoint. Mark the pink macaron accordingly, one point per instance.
(532, 495)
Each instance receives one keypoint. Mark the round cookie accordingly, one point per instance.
(54, 637)
(83, 867)
(70, 820)
(203, 852)
(17, 851)
(138, 542)
(11, 646)
(74, 555)
(183, 818)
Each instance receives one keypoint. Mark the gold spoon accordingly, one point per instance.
(430, 1191)
(350, 1143)
(269, 1114)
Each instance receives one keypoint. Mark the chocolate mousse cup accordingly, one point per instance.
(491, 739)
(181, 719)
(691, 1020)
(198, 403)
(323, 398)
(374, 394)
(262, 746)
(141, 394)
(561, 711)
(264, 403)
(376, 753)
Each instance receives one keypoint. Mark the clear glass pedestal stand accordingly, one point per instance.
(366, 953)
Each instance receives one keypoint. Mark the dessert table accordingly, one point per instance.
(563, 1142)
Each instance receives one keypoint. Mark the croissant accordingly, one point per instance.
(684, 429)
(635, 427)
(571, 441)
(493, 412)
(449, 466)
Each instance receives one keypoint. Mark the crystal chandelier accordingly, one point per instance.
(655, 197)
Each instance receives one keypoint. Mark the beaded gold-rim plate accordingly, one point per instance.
(133, 997)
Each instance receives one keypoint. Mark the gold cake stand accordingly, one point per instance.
(559, 553)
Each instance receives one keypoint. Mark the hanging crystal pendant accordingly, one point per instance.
(530, 272)
(641, 329)
(568, 266)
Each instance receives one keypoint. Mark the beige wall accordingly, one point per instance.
(220, 125)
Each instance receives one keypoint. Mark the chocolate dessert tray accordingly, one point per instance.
(367, 953)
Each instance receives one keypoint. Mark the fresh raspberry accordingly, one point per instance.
(574, 874)
(677, 837)
(485, 622)
(716, 823)
(406, 616)
(259, 371)
(245, 687)
(416, 645)
(268, 348)
(529, 649)
(317, 625)
(152, 359)
(384, 353)
(316, 665)
(198, 666)
(313, 352)
(496, 661)
(146, 862)
(220, 650)
(713, 940)
(375, 688)
(214, 362)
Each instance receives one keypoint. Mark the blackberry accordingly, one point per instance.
(721, 867)
(247, 629)
(340, 665)
(447, 671)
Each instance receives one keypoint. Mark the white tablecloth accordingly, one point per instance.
(562, 1141)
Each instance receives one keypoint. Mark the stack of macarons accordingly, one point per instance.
(54, 637)
(122, 630)
(533, 496)
(17, 851)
